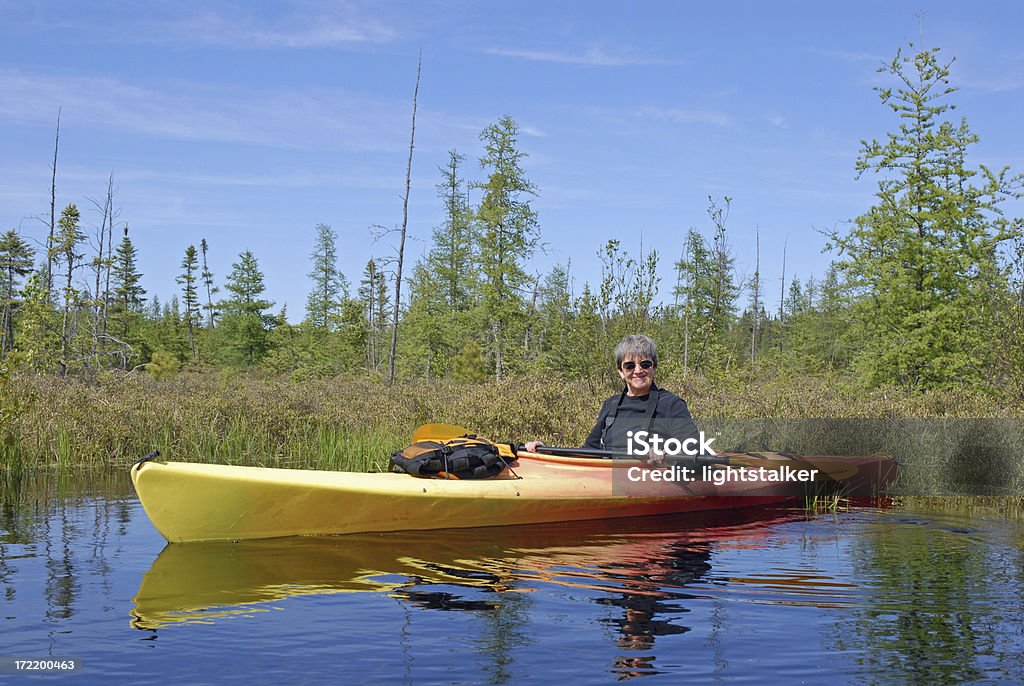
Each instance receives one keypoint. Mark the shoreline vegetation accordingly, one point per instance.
(948, 443)
(353, 423)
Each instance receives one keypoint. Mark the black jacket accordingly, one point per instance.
(628, 413)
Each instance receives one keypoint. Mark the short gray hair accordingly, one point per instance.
(638, 345)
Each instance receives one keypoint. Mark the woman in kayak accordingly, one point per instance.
(641, 405)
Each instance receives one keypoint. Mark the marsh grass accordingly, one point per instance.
(27, 493)
(826, 504)
(1006, 507)
(955, 442)
(346, 424)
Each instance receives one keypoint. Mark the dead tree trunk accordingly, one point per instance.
(405, 219)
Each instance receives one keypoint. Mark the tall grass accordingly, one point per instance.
(337, 424)
(355, 423)
(1007, 507)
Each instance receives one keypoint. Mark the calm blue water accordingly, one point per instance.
(866, 596)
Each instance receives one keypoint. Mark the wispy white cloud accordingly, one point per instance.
(282, 118)
(364, 178)
(850, 55)
(592, 57)
(993, 82)
(322, 28)
(296, 24)
(678, 115)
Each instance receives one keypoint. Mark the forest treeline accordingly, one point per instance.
(926, 289)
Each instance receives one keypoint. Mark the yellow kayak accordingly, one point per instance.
(208, 502)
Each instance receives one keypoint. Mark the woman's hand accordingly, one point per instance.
(531, 446)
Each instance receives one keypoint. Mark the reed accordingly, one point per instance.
(826, 504)
(1006, 507)
(353, 423)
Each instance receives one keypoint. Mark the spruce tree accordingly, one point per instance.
(329, 286)
(126, 311)
(508, 235)
(695, 299)
(554, 316)
(918, 263)
(426, 326)
(15, 262)
(451, 258)
(375, 303)
(190, 295)
(245, 323)
(65, 248)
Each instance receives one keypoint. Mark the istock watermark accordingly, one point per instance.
(644, 444)
(720, 477)
(893, 455)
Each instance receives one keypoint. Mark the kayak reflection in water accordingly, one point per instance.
(639, 404)
(641, 570)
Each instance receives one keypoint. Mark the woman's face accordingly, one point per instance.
(638, 379)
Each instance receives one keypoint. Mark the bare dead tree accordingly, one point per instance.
(782, 295)
(98, 266)
(405, 219)
(110, 251)
(207, 276)
(755, 325)
(53, 214)
(101, 264)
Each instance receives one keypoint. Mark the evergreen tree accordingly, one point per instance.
(329, 286)
(508, 235)
(352, 337)
(15, 262)
(756, 314)
(190, 295)
(797, 301)
(168, 337)
(154, 312)
(825, 321)
(207, 280)
(554, 316)
(920, 261)
(375, 302)
(470, 365)
(37, 325)
(245, 324)
(443, 284)
(426, 326)
(587, 351)
(451, 258)
(695, 299)
(126, 308)
(706, 293)
(723, 310)
(65, 248)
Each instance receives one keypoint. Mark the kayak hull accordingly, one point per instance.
(205, 502)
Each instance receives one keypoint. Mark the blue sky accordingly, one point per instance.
(248, 123)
